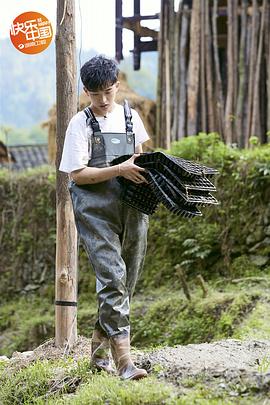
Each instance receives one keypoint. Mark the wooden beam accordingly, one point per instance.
(118, 30)
(137, 39)
(66, 236)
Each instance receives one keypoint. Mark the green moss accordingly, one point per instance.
(256, 325)
(173, 320)
(163, 317)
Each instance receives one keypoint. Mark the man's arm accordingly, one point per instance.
(92, 175)
(127, 169)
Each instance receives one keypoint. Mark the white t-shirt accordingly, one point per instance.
(77, 145)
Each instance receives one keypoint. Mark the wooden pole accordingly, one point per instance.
(229, 116)
(242, 82)
(209, 70)
(256, 127)
(193, 69)
(183, 74)
(175, 85)
(181, 274)
(219, 90)
(267, 64)
(160, 78)
(252, 65)
(167, 138)
(202, 70)
(66, 237)
(202, 284)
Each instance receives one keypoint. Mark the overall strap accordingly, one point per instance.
(91, 120)
(128, 117)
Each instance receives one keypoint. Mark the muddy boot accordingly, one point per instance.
(100, 348)
(120, 347)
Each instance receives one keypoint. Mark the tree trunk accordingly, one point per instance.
(66, 238)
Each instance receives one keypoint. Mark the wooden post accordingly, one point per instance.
(66, 237)
(211, 119)
(181, 274)
(183, 74)
(193, 69)
(252, 67)
(202, 284)
(242, 69)
(229, 111)
(256, 125)
(219, 91)
(168, 99)
(267, 63)
(202, 70)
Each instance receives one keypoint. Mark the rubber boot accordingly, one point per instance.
(120, 347)
(100, 348)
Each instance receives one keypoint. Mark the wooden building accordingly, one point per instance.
(214, 67)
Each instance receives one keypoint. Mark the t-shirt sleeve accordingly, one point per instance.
(140, 132)
(75, 151)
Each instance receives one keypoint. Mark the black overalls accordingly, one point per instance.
(113, 234)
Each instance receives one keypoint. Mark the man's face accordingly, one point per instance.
(102, 101)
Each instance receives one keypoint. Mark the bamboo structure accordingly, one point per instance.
(214, 70)
(66, 235)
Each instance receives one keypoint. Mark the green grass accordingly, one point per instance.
(257, 324)
(71, 382)
(65, 381)
(159, 317)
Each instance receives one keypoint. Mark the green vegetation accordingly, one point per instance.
(52, 381)
(69, 381)
(165, 317)
(228, 246)
(233, 233)
(230, 240)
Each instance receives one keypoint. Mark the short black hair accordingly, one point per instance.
(99, 72)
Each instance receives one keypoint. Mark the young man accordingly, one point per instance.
(114, 235)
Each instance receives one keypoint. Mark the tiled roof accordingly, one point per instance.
(28, 156)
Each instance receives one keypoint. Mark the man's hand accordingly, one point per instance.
(130, 171)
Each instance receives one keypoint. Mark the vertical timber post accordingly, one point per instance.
(118, 31)
(137, 38)
(66, 236)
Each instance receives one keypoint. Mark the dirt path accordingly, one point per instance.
(231, 365)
